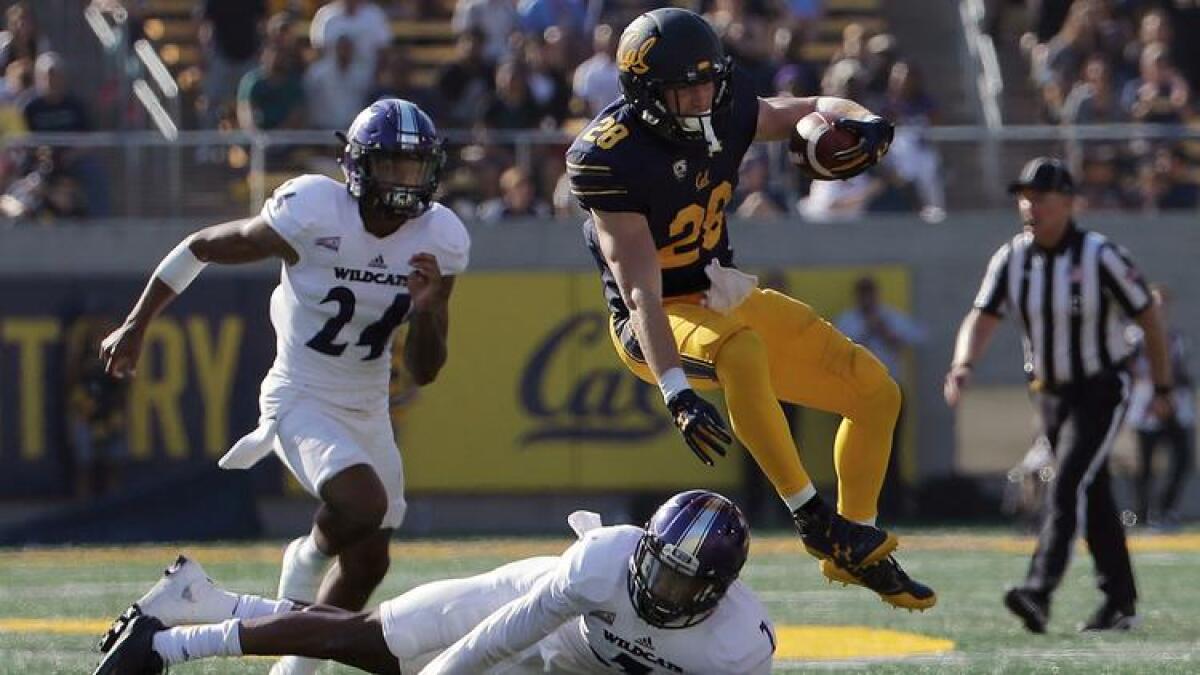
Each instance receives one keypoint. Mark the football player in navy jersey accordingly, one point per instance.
(656, 170)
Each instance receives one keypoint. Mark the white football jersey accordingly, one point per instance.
(336, 309)
(603, 632)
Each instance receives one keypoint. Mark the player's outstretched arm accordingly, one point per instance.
(231, 243)
(629, 251)
(508, 631)
(974, 336)
(429, 320)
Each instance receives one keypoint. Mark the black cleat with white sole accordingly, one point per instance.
(133, 652)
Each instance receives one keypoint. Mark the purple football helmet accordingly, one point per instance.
(694, 547)
(393, 157)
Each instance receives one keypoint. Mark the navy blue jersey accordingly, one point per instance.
(617, 164)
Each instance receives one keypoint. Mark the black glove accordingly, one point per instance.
(875, 137)
(701, 425)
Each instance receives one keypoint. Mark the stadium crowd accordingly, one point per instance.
(1122, 62)
(548, 65)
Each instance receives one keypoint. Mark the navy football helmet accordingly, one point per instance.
(669, 48)
(393, 157)
(694, 547)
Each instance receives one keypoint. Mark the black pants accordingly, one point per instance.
(1081, 422)
(1179, 440)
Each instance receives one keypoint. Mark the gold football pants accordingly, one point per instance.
(775, 348)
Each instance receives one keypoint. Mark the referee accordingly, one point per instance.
(1074, 292)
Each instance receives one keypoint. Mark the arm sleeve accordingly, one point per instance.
(993, 292)
(453, 245)
(515, 626)
(599, 185)
(290, 210)
(1123, 281)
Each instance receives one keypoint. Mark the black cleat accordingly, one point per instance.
(133, 652)
(847, 544)
(1112, 617)
(889, 580)
(118, 627)
(1031, 608)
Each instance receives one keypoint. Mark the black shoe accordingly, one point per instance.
(889, 580)
(1030, 607)
(849, 545)
(118, 627)
(1112, 617)
(133, 652)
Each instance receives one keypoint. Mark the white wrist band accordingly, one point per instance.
(672, 382)
(180, 267)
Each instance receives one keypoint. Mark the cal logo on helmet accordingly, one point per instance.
(632, 58)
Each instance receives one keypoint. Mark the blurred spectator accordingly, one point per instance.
(1093, 99)
(1048, 17)
(746, 35)
(512, 105)
(95, 410)
(884, 330)
(566, 206)
(837, 200)
(518, 199)
(913, 157)
(1100, 181)
(20, 39)
(230, 34)
(1159, 95)
(361, 20)
(880, 55)
(465, 84)
(1178, 433)
(15, 90)
(853, 45)
(535, 16)
(1089, 28)
(548, 84)
(53, 108)
(1185, 27)
(493, 20)
(754, 197)
(803, 16)
(394, 79)
(269, 97)
(284, 35)
(336, 89)
(1154, 28)
(46, 193)
(795, 76)
(1164, 183)
(596, 79)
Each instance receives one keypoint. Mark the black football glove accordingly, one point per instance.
(875, 137)
(701, 425)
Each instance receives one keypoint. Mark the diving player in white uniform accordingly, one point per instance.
(360, 258)
(622, 599)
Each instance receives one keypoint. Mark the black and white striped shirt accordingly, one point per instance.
(1075, 303)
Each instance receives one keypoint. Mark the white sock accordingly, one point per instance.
(188, 643)
(309, 555)
(253, 606)
(795, 501)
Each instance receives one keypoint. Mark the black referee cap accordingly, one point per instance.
(1044, 174)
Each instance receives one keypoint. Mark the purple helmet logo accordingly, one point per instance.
(393, 157)
(694, 547)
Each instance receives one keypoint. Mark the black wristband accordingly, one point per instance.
(1163, 389)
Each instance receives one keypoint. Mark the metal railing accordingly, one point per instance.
(220, 173)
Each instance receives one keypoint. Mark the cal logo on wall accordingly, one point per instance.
(533, 398)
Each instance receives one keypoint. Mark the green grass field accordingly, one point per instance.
(53, 602)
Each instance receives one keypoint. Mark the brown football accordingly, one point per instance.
(814, 144)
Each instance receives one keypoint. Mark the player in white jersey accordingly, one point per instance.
(622, 599)
(360, 258)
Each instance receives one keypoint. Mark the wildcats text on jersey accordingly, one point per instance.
(637, 650)
(369, 277)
